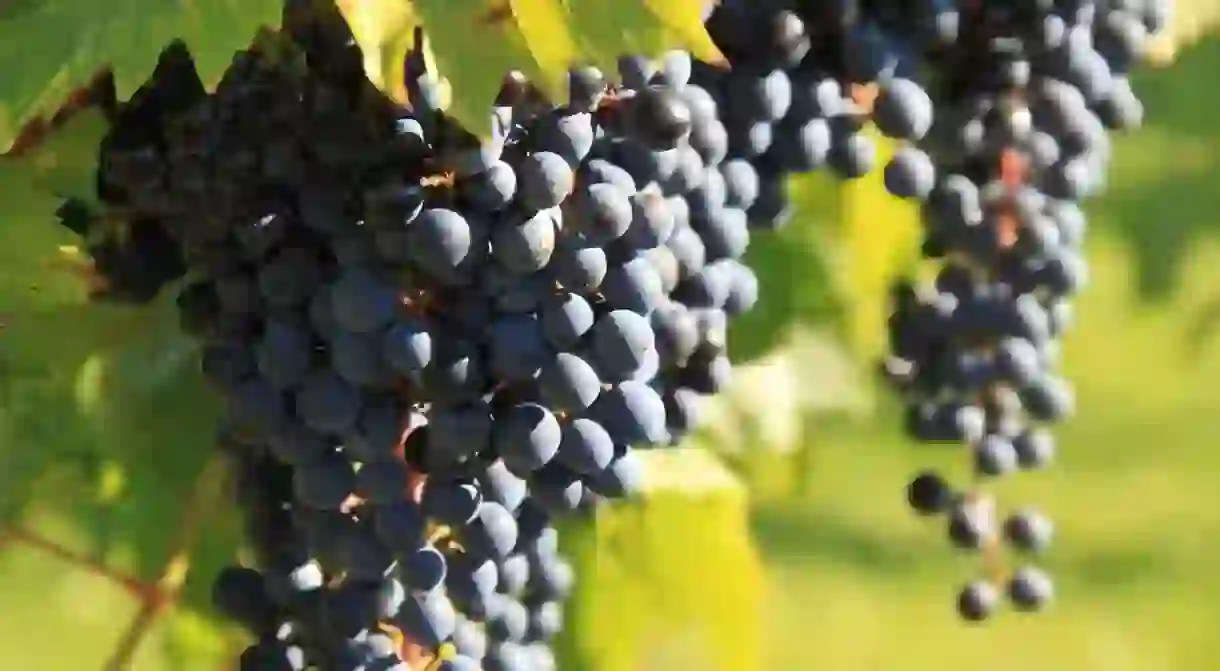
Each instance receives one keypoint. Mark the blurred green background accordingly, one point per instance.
(852, 581)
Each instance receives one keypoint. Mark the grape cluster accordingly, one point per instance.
(430, 345)
(1024, 94)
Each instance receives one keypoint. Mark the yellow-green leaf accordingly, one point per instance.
(475, 43)
(684, 18)
(607, 29)
(880, 237)
(384, 29)
(545, 25)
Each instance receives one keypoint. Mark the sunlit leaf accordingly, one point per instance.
(684, 18)
(545, 26)
(384, 30)
(879, 242)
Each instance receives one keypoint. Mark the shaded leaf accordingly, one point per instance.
(49, 49)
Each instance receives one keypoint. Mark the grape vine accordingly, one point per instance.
(434, 337)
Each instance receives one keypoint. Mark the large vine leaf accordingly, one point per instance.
(49, 48)
(473, 43)
(122, 478)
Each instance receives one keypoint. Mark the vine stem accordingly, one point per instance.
(199, 503)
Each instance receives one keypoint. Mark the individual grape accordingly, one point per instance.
(400, 526)
(632, 413)
(1030, 589)
(674, 69)
(743, 289)
(569, 383)
(439, 240)
(325, 484)
(725, 233)
(493, 533)
(585, 446)
(526, 247)
(741, 183)
(805, 147)
(853, 156)
(361, 303)
(633, 286)
(928, 493)
(622, 478)
(1028, 530)
(423, 571)
(586, 86)
(357, 358)
(328, 404)
(578, 265)
(1035, 448)
(294, 443)
(526, 437)
(428, 619)
(702, 105)
(454, 501)
(652, 222)
(288, 279)
(457, 433)
(620, 340)
(518, 347)
(545, 180)
(977, 601)
(382, 482)
(601, 171)
(565, 320)
(492, 190)
(969, 528)
(750, 141)
(995, 456)
(753, 96)
(284, 354)
(710, 140)
(910, 174)
(569, 135)
(378, 430)
(227, 364)
(604, 213)
(902, 110)
(658, 117)
(407, 346)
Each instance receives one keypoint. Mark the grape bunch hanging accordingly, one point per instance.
(1024, 95)
(428, 345)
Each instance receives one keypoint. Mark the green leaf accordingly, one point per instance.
(684, 18)
(384, 30)
(48, 49)
(880, 237)
(38, 267)
(545, 26)
(608, 29)
(794, 270)
(474, 43)
(666, 611)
